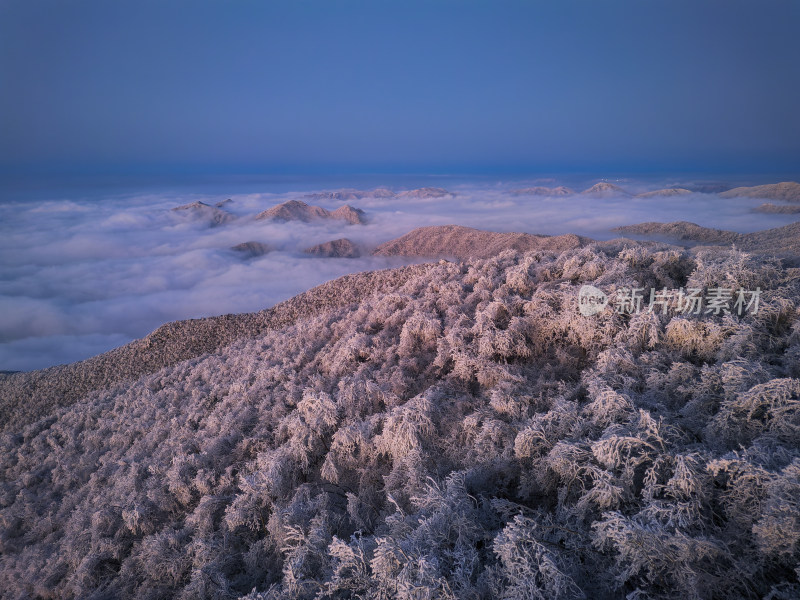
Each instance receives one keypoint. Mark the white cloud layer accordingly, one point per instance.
(80, 276)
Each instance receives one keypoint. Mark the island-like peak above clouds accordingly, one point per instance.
(681, 230)
(297, 210)
(780, 241)
(788, 191)
(355, 216)
(353, 194)
(543, 191)
(215, 215)
(666, 192)
(426, 192)
(341, 248)
(464, 242)
(294, 210)
(606, 189)
(252, 249)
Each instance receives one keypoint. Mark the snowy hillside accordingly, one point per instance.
(462, 433)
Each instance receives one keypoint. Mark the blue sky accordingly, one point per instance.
(244, 86)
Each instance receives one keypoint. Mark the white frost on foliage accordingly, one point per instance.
(466, 434)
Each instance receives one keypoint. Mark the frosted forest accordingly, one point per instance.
(399, 300)
(461, 432)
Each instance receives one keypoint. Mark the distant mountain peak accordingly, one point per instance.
(351, 194)
(666, 192)
(789, 191)
(201, 211)
(252, 249)
(465, 242)
(297, 210)
(543, 191)
(605, 188)
(354, 194)
(356, 216)
(426, 192)
(341, 248)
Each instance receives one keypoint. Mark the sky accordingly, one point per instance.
(142, 86)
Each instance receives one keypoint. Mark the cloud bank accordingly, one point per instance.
(79, 276)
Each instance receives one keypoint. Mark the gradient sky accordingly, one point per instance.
(246, 86)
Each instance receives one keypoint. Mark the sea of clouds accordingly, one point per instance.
(82, 274)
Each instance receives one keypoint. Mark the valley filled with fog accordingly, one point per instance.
(81, 273)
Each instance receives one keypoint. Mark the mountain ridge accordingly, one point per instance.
(466, 242)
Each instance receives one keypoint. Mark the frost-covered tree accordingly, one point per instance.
(463, 433)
